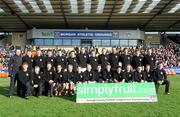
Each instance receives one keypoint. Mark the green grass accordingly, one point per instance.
(167, 105)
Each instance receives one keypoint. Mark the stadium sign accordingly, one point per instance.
(116, 92)
(47, 34)
(91, 35)
(176, 69)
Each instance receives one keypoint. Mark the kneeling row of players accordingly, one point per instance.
(56, 80)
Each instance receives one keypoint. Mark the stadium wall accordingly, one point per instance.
(100, 38)
(152, 40)
(19, 39)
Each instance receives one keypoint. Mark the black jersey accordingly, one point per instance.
(61, 60)
(136, 61)
(125, 60)
(160, 74)
(118, 76)
(73, 62)
(129, 76)
(114, 60)
(93, 61)
(103, 60)
(138, 76)
(82, 60)
(39, 61)
(49, 75)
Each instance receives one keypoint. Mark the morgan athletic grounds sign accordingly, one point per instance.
(116, 92)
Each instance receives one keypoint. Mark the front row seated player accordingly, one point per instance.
(69, 79)
(108, 75)
(89, 74)
(60, 84)
(139, 75)
(49, 77)
(118, 76)
(38, 81)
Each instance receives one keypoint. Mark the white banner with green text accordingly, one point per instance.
(115, 92)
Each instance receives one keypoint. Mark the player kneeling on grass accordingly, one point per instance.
(24, 77)
(69, 77)
(160, 78)
(50, 76)
(60, 85)
(38, 81)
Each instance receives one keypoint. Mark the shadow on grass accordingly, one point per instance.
(4, 91)
(70, 98)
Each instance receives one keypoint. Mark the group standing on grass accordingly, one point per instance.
(58, 73)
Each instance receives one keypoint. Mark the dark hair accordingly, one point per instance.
(24, 63)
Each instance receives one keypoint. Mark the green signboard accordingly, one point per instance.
(116, 92)
(47, 34)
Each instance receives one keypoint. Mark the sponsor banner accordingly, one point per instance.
(116, 92)
(176, 69)
(91, 35)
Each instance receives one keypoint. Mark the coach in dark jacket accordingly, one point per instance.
(14, 67)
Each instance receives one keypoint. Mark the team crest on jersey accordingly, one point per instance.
(39, 77)
(27, 74)
(141, 75)
(31, 60)
(74, 60)
(60, 75)
(81, 76)
(90, 74)
(116, 56)
(129, 75)
(40, 60)
(140, 59)
(106, 58)
(95, 59)
(62, 59)
(148, 75)
(52, 60)
(50, 73)
(152, 59)
(84, 56)
(161, 73)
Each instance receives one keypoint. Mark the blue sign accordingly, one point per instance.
(177, 69)
(91, 35)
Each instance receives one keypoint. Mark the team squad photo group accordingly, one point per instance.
(57, 73)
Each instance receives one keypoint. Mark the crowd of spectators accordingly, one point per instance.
(170, 54)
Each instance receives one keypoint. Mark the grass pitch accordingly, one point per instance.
(167, 105)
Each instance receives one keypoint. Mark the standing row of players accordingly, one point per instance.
(61, 73)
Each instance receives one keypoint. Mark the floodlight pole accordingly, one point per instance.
(110, 15)
(63, 14)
